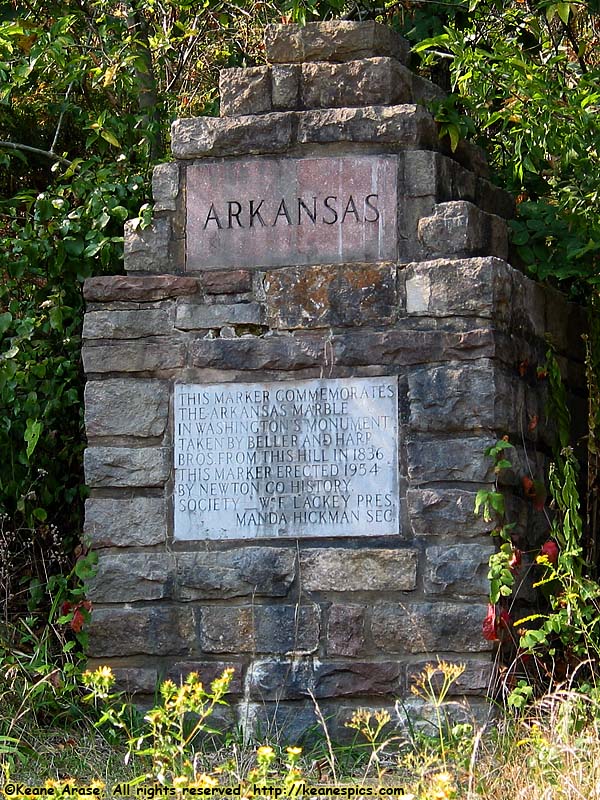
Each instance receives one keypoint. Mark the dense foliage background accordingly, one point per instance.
(87, 92)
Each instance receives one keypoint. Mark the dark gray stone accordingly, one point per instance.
(445, 512)
(333, 41)
(260, 629)
(158, 631)
(273, 352)
(126, 407)
(453, 397)
(147, 250)
(127, 577)
(345, 630)
(325, 296)
(366, 569)
(125, 522)
(478, 677)
(135, 680)
(245, 91)
(460, 569)
(209, 671)
(235, 573)
(127, 466)
(195, 317)
(148, 355)
(429, 627)
(449, 460)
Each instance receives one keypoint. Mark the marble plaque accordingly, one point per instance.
(279, 212)
(302, 458)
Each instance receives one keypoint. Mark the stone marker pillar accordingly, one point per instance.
(291, 390)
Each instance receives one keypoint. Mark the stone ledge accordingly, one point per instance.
(402, 126)
(333, 41)
(106, 288)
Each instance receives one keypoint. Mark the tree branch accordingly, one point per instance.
(36, 150)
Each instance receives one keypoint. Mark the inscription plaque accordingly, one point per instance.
(267, 212)
(302, 458)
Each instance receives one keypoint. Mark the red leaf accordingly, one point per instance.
(489, 625)
(550, 550)
(523, 367)
(533, 422)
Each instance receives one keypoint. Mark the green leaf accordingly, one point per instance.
(110, 138)
(32, 434)
(5, 320)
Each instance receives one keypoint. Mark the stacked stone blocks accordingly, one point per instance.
(351, 621)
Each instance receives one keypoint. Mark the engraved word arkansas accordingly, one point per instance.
(328, 210)
(308, 458)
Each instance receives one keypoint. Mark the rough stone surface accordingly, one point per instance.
(126, 466)
(345, 630)
(368, 82)
(275, 679)
(147, 250)
(475, 287)
(157, 631)
(195, 317)
(460, 569)
(449, 459)
(104, 288)
(136, 356)
(127, 577)
(165, 186)
(261, 629)
(135, 680)
(245, 91)
(461, 229)
(285, 86)
(300, 297)
(142, 405)
(404, 126)
(125, 522)
(132, 324)
(210, 136)
(441, 397)
(444, 512)
(235, 573)
(332, 41)
(366, 569)
(274, 352)
(429, 627)
(226, 281)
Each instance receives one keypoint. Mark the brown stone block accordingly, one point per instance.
(365, 569)
(429, 627)
(226, 281)
(137, 288)
(345, 630)
(273, 352)
(333, 41)
(261, 629)
(162, 630)
(325, 296)
(403, 347)
(368, 82)
(142, 355)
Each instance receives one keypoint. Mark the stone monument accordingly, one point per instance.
(290, 392)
